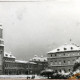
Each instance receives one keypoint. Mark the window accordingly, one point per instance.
(44, 60)
(59, 54)
(55, 54)
(60, 70)
(65, 49)
(77, 57)
(6, 54)
(68, 61)
(56, 62)
(78, 53)
(1, 51)
(51, 55)
(64, 61)
(58, 49)
(1, 33)
(10, 55)
(34, 59)
(71, 48)
(51, 63)
(5, 65)
(55, 70)
(60, 62)
(64, 54)
(68, 54)
(69, 70)
(74, 61)
(64, 70)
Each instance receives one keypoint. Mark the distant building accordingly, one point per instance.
(41, 63)
(16, 67)
(63, 58)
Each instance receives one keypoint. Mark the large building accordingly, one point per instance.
(11, 66)
(63, 58)
(17, 67)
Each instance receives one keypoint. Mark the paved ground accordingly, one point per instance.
(19, 77)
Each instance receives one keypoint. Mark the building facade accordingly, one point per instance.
(41, 63)
(63, 58)
(16, 67)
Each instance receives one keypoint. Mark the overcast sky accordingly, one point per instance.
(34, 28)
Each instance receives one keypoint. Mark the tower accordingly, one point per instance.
(1, 49)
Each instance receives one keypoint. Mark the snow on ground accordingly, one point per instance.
(21, 76)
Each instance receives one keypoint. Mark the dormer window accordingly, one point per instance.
(65, 48)
(38, 59)
(44, 60)
(58, 49)
(34, 59)
(71, 48)
(10, 55)
(6, 54)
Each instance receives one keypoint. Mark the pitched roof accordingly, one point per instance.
(36, 58)
(21, 61)
(8, 55)
(66, 47)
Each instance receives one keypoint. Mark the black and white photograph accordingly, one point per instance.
(39, 39)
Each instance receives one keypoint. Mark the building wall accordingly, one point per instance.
(12, 67)
(1, 49)
(40, 66)
(63, 60)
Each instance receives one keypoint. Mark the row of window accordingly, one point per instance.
(65, 48)
(8, 55)
(62, 62)
(9, 59)
(13, 65)
(62, 70)
(16, 65)
(64, 54)
(38, 60)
